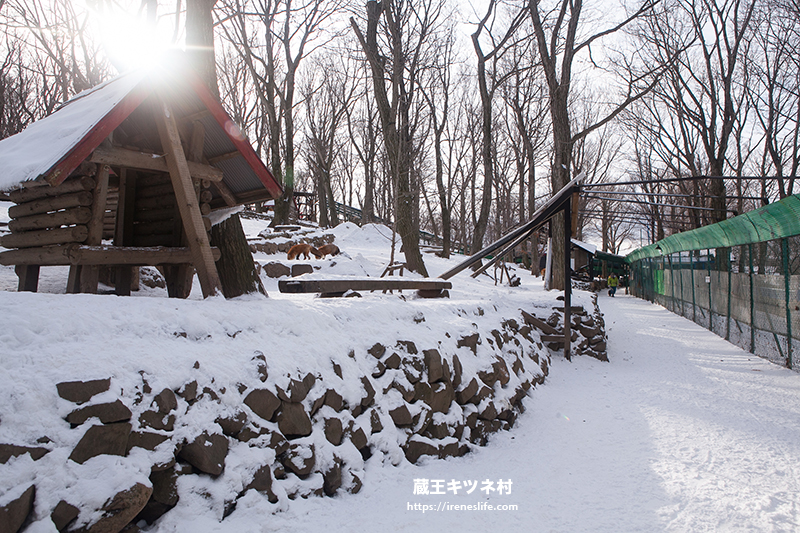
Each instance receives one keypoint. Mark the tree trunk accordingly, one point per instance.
(237, 271)
(396, 136)
(236, 267)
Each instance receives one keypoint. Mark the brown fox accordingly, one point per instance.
(301, 249)
(326, 249)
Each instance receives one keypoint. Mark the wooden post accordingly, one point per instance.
(568, 278)
(123, 235)
(576, 197)
(90, 274)
(28, 277)
(188, 205)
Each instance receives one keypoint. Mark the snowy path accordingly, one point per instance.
(680, 432)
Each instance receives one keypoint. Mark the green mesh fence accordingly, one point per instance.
(774, 221)
(739, 278)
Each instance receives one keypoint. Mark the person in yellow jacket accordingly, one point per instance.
(613, 283)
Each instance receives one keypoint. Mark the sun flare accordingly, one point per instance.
(129, 40)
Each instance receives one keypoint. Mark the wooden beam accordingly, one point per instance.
(199, 115)
(223, 157)
(226, 193)
(81, 254)
(373, 284)
(141, 160)
(555, 204)
(188, 206)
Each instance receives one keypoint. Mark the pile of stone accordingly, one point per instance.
(287, 240)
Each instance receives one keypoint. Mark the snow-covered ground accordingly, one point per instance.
(680, 431)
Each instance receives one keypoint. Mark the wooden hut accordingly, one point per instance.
(124, 175)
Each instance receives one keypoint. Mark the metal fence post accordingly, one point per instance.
(672, 281)
(752, 302)
(683, 298)
(694, 303)
(710, 305)
(785, 254)
(728, 324)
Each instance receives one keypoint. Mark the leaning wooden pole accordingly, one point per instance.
(543, 214)
(186, 199)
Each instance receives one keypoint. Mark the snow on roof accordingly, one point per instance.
(591, 248)
(35, 150)
(54, 146)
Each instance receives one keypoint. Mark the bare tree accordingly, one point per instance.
(327, 98)
(488, 83)
(437, 96)
(557, 28)
(289, 32)
(406, 28)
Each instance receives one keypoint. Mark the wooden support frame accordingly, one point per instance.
(186, 198)
(564, 200)
(543, 214)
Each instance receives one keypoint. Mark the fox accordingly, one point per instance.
(301, 249)
(326, 249)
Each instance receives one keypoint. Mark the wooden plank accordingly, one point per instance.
(224, 157)
(123, 157)
(123, 234)
(98, 207)
(81, 254)
(155, 214)
(156, 202)
(45, 205)
(21, 196)
(531, 320)
(188, 205)
(155, 190)
(76, 215)
(373, 284)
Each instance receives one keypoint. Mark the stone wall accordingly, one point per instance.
(295, 435)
